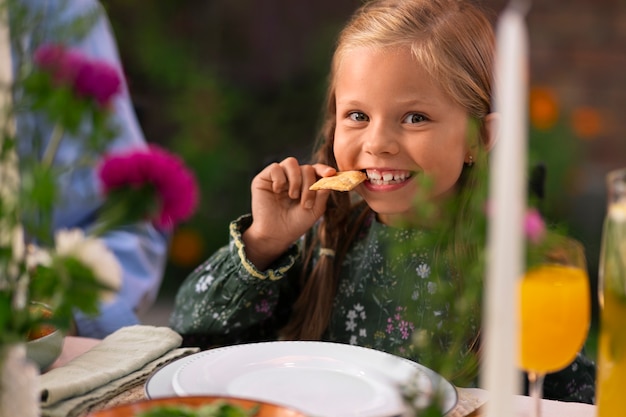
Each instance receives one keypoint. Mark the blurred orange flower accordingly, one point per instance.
(187, 247)
(544, 108)
(587, 122)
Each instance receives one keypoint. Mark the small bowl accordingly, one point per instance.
(132, 409)
(46, 349)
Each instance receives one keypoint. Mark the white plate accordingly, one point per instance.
(319, 378)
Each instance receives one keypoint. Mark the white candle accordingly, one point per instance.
(9, 176)
(6, 72)
(508, 202)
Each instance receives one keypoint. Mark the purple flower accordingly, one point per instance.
(175, 185)
(263, 307)
(89, 78)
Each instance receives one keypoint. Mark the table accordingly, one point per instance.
(74, 346)
(523, 403)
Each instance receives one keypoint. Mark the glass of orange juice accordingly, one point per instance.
(554, 313)
(611, 379)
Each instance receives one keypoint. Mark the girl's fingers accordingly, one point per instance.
(293, 171)
(308, 196)
(273, 178)
(324, 170)
(315, 198)
(288, 176)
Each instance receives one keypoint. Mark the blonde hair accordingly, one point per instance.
(454, 41)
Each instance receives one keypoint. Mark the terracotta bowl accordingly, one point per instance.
(132, 409)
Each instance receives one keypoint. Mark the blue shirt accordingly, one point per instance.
(140, 248)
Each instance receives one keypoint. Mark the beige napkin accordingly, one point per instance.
(123, 359)
(469, 400)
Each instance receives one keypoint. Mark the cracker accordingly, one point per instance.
(342, 181)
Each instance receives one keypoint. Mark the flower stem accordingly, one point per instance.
(53, 146)
(112, 215)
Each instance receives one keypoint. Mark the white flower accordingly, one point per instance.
(350, 325)
(37, 256)
(203, 284)
(423, 270)
(94, 254)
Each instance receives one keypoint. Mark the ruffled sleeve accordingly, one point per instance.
(228, 300)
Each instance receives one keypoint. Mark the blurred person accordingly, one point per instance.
(140, 248)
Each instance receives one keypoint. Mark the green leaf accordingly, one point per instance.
(218, 409)
(126, 205)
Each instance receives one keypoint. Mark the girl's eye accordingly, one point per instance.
(415, 118)
(358, 116)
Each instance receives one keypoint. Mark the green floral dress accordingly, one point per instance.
(383, 297)
(381, 300)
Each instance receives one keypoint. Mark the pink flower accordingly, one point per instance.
(47, 56)
(534, 226)
(174, 183)
(99, 80)
(90, 78)
(61, 63)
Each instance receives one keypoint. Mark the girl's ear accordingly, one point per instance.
(492, 127)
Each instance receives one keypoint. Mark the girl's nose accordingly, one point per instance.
(380, 139)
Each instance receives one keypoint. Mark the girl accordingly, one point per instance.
(409, 104)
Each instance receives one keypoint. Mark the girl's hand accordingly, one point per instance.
(283, 208)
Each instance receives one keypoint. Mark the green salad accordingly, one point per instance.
(218, 409)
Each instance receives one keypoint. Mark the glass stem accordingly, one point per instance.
(535, 389)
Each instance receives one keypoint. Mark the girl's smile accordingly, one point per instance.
(386, 179)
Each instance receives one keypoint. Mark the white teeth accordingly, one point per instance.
(386, 178)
